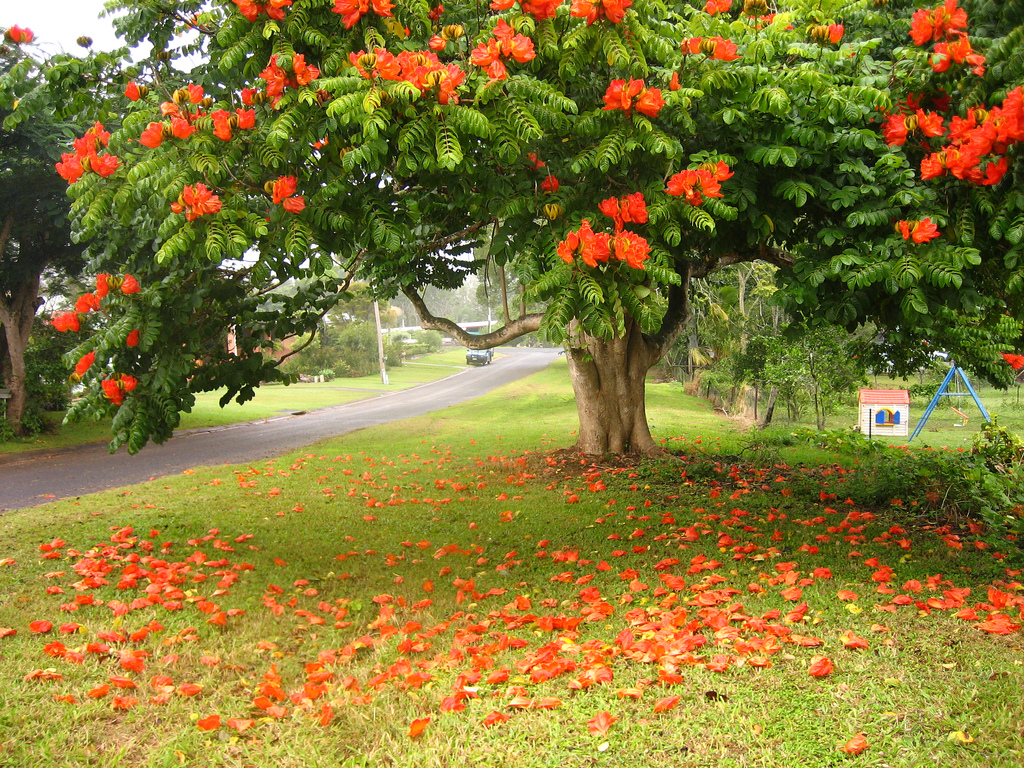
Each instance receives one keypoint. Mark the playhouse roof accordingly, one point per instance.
(884, 397)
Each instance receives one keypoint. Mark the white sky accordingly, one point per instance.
(58, 23)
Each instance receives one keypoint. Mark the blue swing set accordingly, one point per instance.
(956, 377)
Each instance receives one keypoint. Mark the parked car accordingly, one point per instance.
(479, 356)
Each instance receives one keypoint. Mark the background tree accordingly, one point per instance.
(35, 231)
(606, 154)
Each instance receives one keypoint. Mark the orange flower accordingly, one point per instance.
(591, 246)
(416, 726)
(821, 666)
(208, 723)
(130, 285)
(919, 231)
(856, 745)
(132, 340)
(353, 10)
(599, 724)
(666, 704)
(84, 363)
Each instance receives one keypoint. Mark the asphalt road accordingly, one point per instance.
(30, 479)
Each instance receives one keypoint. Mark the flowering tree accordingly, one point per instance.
(35, 234)
(606, 152)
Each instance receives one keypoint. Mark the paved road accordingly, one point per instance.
(27, 480)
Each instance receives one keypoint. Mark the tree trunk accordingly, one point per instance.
(769, 410)
(608, 379)
(17, 316)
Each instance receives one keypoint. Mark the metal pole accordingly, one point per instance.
(380, 343)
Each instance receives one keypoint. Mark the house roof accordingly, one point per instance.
(884, 397)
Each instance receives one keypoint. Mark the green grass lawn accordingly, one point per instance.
(462, 574)
(271, 400)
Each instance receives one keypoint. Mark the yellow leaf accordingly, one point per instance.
(853, 608)
(960, 736)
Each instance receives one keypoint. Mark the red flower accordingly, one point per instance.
(835, 32)
(18, 34)
(102, 286)
(104, 165)
(222, 124)
(695, 185)
(944, 22)
(352, 10)
(821, 666)
(592, 10)
(153, 136)
(87, 302)
(130, 285)
(66, 321)
(712, 47)
(630, 248)
(591, 246)
(505, 44)
(919, 231)
(307, 73)
(133, 338)
(70, 168)
(1016, 361)
(180, 128)
(717, 6)
(132, 91)
(550, 184)
(295, 204)
(540, 9)
(626, 96)
(856, 745)
(631, 209)
(196, 201)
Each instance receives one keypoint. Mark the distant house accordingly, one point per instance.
(884, 412)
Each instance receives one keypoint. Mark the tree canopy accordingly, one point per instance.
(603, 152)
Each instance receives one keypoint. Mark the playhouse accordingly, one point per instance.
(884, 412)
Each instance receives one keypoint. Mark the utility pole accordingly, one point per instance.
(380, 343)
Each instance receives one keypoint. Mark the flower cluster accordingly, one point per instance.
(631, 209)
(627, 246)
(984, 135)
(133, 91)
(598, 247)
(589, 245)
(897, 127)
(633, 95)
(86, 157)
(421, 68)
(697, 184)
(1016, 361)
(945, 22)
(353, 10)
(505, 44)
(713, 7)
(224, 122)
(90, 302)
(945, 25)
(277, 79)
(115, 389)
(282, 190)
(274, 9)
(713, 47)
(18, 34)
(180, 118)
(592, 10)
(539, 9)
(196, 201)
(919, 231)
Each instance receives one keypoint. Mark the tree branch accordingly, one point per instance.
(513, 330)
(780, 258)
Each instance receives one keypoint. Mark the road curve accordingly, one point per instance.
(37, 478)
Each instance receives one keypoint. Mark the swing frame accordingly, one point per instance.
(943, 391)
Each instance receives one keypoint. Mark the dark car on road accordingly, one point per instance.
(479, 356)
